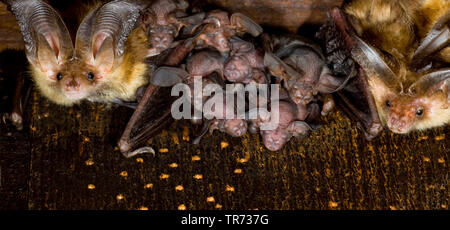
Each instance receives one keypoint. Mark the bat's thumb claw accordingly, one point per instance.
(139, 151)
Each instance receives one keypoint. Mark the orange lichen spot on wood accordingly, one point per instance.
(89, 162)
(91, 186)
(223, 144)
(148, 186)
(210, 199)
(440, 137)
(179, 188)
(392, 207)
(181, 207)
(86, 139)
(218, 206)
(124, 173)
(441, 160)
(198, 176)
(229, 188)
(238, 171)
(120, 197)
(245, 159)
(185, 133)
(164, 176)
(173, 165)
(164, 150)
(143, 208)
(32, 128)
(333, 204)
(116, 148)
(139, 160)
(426, 159)
(196, 158)
(422, 138)
(175, 138)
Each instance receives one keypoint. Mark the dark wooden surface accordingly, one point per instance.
(63, 151)
(66, 158)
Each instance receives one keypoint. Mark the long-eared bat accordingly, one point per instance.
(399, 83)
(106, 63)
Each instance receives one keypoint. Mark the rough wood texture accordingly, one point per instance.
(66, 158)
(287, 14)
(10, 35)
(74, 149)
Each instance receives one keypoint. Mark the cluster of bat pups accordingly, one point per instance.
(384, 62)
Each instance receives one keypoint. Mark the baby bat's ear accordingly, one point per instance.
(280, 69)
(192, 22)
(246, 24)
(168, 76)
(437, 39)
(47, 40)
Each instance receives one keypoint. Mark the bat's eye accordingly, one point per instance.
(59, 76)
(388, 103)
(419, 112)
(90, 76)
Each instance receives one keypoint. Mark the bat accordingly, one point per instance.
(162, 22)
(299, 64)
(399, 85)
(291, 124)
(106, 63)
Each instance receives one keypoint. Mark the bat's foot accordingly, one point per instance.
(14, 118)
(372, 131)
(125, 148)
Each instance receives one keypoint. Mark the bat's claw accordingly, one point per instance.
(13, 118)
(139, 151)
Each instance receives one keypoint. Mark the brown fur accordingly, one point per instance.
(395, 29)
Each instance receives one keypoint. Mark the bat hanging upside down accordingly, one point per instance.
(402, 60)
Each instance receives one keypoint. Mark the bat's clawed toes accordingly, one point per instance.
(13, 118)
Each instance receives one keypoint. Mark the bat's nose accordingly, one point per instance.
(73, 85)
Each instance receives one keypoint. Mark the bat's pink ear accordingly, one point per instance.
(103, 33)
(103, 52)
(47, 40)
(435, 82)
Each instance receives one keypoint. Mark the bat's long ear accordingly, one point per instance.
(437, 39)
(103, 33)
(280, 69)
(246, 24)
(168, 76)
(432, 83)
(47, 40)
(372, 63)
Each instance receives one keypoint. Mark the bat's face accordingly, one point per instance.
(162, 36)
(406, 112)
(237, 69)
(274, 140)
(217, 38)
(235, 127)
(76, 83)
(299, 93)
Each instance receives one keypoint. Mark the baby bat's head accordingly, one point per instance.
(162, 36)
(235, 127)
(300, 93)
(274, 140)
(237, 69)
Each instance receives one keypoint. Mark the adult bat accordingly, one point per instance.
(399, 84)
